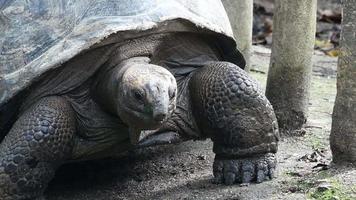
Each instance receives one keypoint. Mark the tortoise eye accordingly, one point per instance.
(172, 94)
(138, 95)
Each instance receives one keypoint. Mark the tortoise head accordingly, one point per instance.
(146, 96)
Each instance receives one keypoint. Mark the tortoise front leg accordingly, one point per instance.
(230, 108)
(39, 142)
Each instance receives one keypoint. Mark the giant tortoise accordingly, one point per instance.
(83, 80)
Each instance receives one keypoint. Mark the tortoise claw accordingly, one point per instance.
(160, 138)
(245, 170)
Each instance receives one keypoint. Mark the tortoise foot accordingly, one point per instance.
(245, 170)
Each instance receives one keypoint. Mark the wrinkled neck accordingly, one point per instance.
(105, 88)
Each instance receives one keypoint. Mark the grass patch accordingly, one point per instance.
(305, 185)
(319, 186)
(334, 190)
(317, 139)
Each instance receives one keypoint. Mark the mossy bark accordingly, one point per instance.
(343, 132)
(240, 14)
(288, 81)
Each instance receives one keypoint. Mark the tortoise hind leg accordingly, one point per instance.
(39, 142)
(230, 108)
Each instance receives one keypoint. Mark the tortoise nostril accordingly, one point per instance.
(159, 117)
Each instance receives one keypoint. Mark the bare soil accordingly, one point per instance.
(184, 171)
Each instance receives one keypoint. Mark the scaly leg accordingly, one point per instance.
(230, 108)
(39, 142)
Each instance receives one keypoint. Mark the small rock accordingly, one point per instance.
(293, 189)
(318, 155)
(324, 186)
(321, 166)
(298, 174)
(202, 157)
(173, 172)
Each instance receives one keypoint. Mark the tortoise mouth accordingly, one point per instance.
(146, 121)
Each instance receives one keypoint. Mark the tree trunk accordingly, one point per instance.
(240, 14)
(288, 82)
(343, 131)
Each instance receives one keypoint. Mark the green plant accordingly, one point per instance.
(334, 191)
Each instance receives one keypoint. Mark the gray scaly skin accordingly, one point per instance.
(215, 99)
(235, 114)
(39, 142)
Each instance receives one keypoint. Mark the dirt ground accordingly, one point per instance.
(184, 171)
